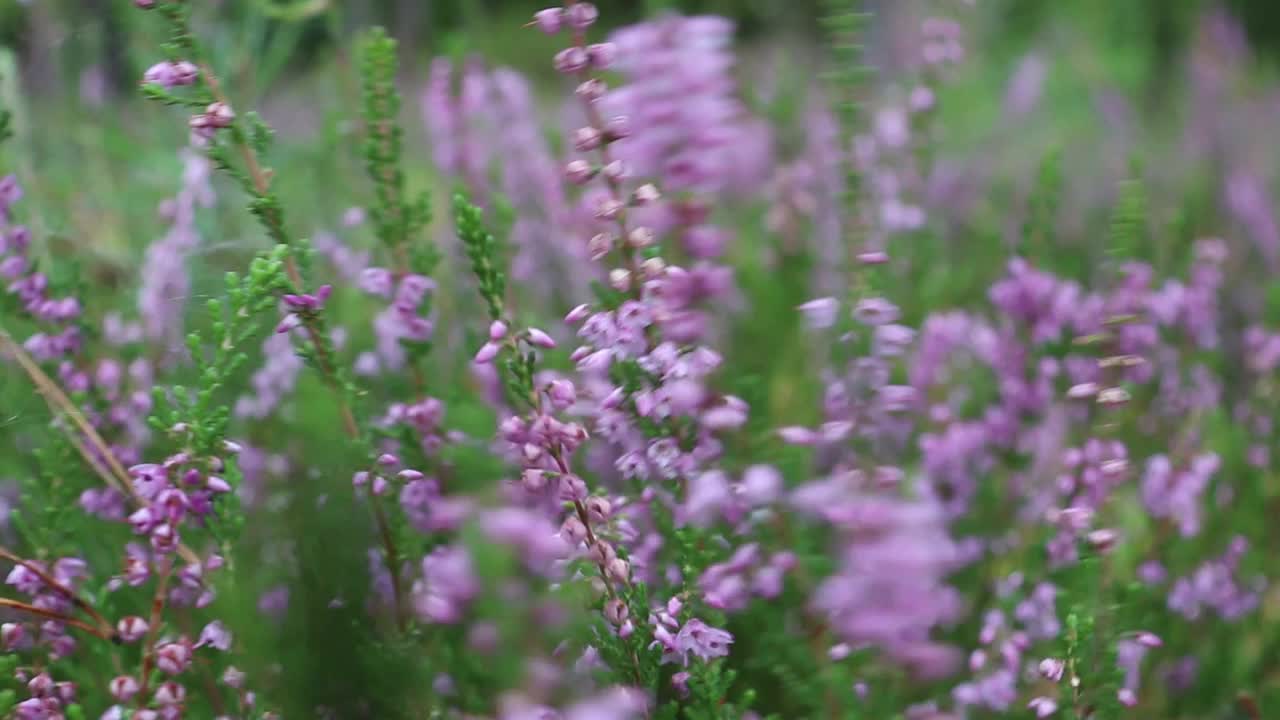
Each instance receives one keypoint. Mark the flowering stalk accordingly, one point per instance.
(256, 180)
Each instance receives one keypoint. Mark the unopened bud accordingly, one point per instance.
(1113, 396)
(641, 238)
(646, 194)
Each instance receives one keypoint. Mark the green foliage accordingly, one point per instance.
(482, 249)
(849, 80)
(1128, 232)
(396, 219)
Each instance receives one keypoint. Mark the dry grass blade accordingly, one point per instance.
(59, 403)
(113, 474)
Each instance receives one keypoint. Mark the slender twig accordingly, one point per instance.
(148, 650)
(272, 217)
(392, 560)
(59, 617)
(61, 588)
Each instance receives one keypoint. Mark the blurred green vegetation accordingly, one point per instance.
(69, 35)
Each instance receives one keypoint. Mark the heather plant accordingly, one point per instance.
(648, 381)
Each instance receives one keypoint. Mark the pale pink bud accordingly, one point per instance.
(487, 353)
(549, 21)
(641, 237)
(592, 90)
(578, 314)
(602, 55)
(578, 172)
(599, 245)
(587, 138)
(124, 687)
(572, 60)
(540, 338)
(646, 194)
(581, 15)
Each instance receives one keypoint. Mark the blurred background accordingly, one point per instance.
(1188, 87)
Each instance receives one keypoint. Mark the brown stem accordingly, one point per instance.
(59, 617)
(392, 560)
(62, 589)
(148, 651)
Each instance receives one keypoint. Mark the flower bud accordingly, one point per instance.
(550, 21)
(616, 611)
(646, 194)
(1083, 391)
(572, 60)
(579, 172)
(124, 687)
(170, 693)
(599, 245)
(562, 393)
(573, 530)
(617, 128)
(12, 635)
(618, 569)
(1052, 669)
(1113, 396)
(540, 339)
(592, 90)
(1103, 540)
(578, 314)
(620, 279)
(598, 508)
(602, 55)
(220, 114)
(586, 139)
(602, 553)
(173, 658)
(487, 353)
(653, 267)
(641, 237)
(608, 209)
(533, 479)
(582, 15)
(616, 170)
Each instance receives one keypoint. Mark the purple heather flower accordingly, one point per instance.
(702, 640)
